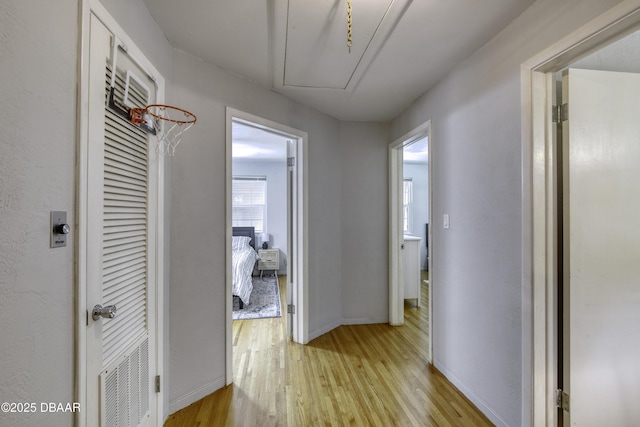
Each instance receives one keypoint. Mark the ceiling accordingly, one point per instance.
(400, 48)
(250, 142)
(416, 152)
(254, 143)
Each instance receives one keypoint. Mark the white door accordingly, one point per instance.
(602, 248)
(121, 225)
(292, 233)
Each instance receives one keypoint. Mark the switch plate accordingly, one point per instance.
(445, 221)
(57, 218)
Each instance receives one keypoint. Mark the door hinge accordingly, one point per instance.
(560, 113)
(291, 309)
(157, 383)
(562, 400)
(291, 161)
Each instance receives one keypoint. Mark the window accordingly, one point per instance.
(407, 205)
(249, 202)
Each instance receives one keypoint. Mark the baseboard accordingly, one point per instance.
(365, 320)
(323, 330)
(195, 395)
(348, 321)
(471, 395)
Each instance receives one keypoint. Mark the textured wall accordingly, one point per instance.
(37, 146)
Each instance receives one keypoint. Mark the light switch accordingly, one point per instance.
(445, 221)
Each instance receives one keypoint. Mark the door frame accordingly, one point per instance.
(539, 205)
(396, 287)
(86, 9)
(301, 302)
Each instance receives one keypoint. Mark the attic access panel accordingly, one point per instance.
(313, 47)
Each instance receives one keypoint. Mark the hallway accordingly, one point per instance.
(365, 375)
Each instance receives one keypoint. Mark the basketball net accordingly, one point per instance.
(169, 123)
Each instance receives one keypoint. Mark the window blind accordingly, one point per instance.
(407, 204)
(249, 200)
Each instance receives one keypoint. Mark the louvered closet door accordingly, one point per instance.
(121, 248)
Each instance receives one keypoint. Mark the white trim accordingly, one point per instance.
(87, 8)
(80, 391)
(325, 329)
(195, 395)
(396, 290)
(363, 320)
(472, 396)
(301, 318)
(539, 325)
(160, 261)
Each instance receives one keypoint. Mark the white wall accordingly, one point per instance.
(37, 147)
(198, 223)
(476, 152)
(419, 174)
(364, 202)
(276, 173)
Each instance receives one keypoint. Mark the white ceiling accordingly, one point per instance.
(253, 143)
(401, 48)
(416, 152)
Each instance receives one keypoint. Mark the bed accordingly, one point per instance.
(244, 257)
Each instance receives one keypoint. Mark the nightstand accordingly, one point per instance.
(269, 260)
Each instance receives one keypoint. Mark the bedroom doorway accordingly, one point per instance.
(266, 160)
(410, 241)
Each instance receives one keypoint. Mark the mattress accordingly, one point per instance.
(244, 260)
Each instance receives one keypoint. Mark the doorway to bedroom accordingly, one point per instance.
(410, 241)
(266, 210)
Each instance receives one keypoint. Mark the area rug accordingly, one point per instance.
(264, 301)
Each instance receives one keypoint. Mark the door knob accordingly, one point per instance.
(62, 229)
(108, 312)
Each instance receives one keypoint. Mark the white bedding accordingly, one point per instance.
(244, 259)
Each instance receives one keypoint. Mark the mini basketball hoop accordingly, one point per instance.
(169, 123)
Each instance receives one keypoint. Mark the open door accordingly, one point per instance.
(602, 248)
(119, 255)
(292, 232)
(396, 229)
(297, 228)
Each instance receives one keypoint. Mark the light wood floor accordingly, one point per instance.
(364, 375)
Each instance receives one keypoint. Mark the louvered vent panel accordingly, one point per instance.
(125, 388)
(110, 400)
(123, 393)
(125, 228)
(135, 386)
(125, 383)
(145, 386)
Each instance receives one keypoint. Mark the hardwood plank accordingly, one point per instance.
(355, 375)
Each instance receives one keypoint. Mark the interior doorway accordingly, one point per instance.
(282, 225)
(567, 230)
(410, 236)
